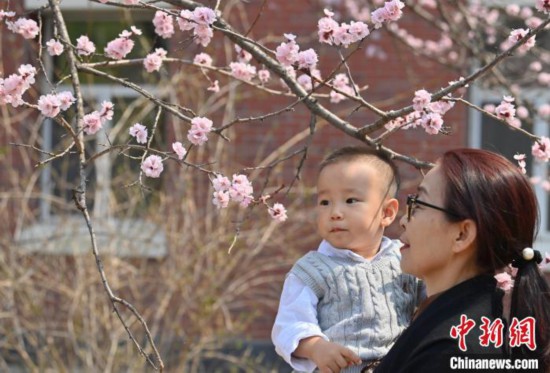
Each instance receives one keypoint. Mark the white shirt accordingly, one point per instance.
(297, 315)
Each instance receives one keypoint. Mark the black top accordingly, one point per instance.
(427, 346)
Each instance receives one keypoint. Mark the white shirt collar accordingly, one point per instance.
(386, 247)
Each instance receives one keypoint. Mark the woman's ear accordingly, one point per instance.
(389, 211)
(466, 235)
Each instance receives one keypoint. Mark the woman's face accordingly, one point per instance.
(428, 237)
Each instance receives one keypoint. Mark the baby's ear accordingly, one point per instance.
(389, 211)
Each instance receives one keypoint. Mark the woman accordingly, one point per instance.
(475, 213)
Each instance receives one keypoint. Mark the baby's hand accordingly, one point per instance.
(331, 357)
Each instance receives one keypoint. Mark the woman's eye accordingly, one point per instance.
(323, 202)
(352, 200)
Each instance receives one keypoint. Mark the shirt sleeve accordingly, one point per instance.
(296, 320)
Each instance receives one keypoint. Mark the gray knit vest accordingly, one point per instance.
(362, 305)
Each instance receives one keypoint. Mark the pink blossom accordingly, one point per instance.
(27, 72)
(432, 123)
(66, 99)
(179, 149)
(135, 31)
(139, 131)
(242, 71)
(307, 59)
(200, 127)
(326, 27)
(514, 122)
(541, 149)
(504, 281)
(289, 70)
(107, 111)
(336, 97)
(515, 36)
(6, 14)
(118, 48)
(395, 124)
(489, 107)
(214, 87)
(421, 99)
(412, 120)
(544, 78)
(164, 24)
(440, 107)
(203, 59)
(84, 46)
(12, 89)
(202, 123)
(92, 123)
(203, 34)
(393, 9)
(340, 80)
(152, 166)
(305, 81)
(543, 6)
(287, 53)
(535, 66)
(203, 16)
(513, 9)
(55, 48)
(278, 212)
(522, 112)
(505, 110)
(220, 199)
(130, 2)
(544, 110)
(533, 22)
(221, 183)
(379, 16)
(27, 28)
(358, 30)
(153, 61)
(197, 136)
(264, 75)
(49, 105)
(242, 55)
(341, 36)
(184, 20)
(521, 162)
(241, 190)
(535, 180)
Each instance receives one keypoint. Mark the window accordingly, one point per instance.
(121, 227)
(487, 133)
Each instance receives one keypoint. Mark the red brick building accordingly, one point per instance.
(391, 82)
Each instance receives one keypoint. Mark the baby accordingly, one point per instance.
(343, 306)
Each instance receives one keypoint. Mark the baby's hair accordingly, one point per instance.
(381, 161)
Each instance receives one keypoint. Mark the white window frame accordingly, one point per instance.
(475, 119)
(53, 234)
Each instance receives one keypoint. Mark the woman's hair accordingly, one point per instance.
(490, 190)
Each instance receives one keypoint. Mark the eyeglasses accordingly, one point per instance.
(412, 200)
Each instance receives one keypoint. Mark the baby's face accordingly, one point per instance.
(349, 205)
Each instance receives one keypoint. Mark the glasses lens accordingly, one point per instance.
(410, 205)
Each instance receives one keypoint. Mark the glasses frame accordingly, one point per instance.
(412, 199)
